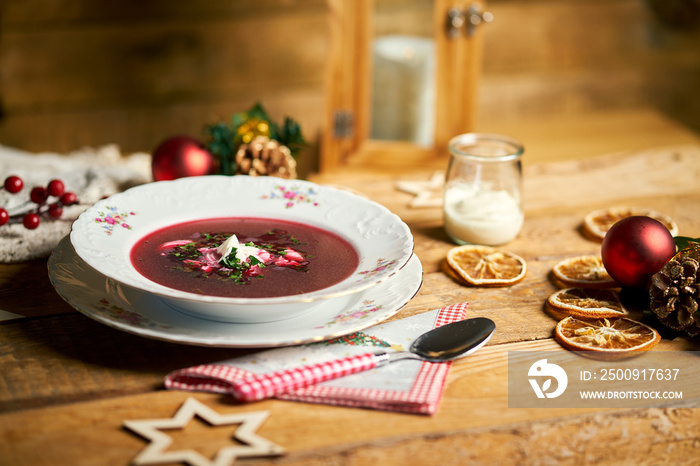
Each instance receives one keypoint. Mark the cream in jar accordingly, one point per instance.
(482, 189)
(481, 216)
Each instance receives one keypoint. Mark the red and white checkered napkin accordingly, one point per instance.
(408, 386)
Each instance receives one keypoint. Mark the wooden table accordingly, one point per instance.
(67, 383)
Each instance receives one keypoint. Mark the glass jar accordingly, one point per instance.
(482, 199)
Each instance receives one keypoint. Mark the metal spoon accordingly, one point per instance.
(441, 344)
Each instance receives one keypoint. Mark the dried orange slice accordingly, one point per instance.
(486, 266)
(583, 272)
(606, 338)
(587, 303)
(597, 223)
(449, 271)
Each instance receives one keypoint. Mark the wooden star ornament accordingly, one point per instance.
(427, 193)
(156, 451)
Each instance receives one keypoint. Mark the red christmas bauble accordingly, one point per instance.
(635, 248)
(181, 156)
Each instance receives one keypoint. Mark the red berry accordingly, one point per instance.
(56, 188)
(38, 195)
(13, 184)
(69, 198)
(4, 216)
(55, 210)
(30, 221)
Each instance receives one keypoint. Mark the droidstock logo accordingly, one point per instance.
(544, 371)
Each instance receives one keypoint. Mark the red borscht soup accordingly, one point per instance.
(244, 257)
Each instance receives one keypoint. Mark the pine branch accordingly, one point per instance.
(224, 138)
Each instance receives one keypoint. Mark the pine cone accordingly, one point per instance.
(675, 292)
(265, 157)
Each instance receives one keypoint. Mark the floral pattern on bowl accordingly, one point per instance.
(111, 218)
(365, 310)
(382, 266)
(293, 196)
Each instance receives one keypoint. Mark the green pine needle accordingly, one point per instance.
(683, 242)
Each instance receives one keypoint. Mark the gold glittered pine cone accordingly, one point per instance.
(675, 291)
(265, 157)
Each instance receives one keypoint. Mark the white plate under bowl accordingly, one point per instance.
(134, 311)
(105, 233)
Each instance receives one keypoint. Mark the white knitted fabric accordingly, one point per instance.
(90, 173)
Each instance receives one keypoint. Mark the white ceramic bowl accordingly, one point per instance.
(105, 233)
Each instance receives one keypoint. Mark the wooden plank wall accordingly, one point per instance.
(90, 72)
(552, 57)
(77, 73)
